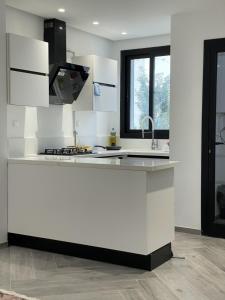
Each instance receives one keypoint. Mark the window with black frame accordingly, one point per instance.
(145, 91)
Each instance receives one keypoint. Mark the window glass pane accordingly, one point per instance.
(161, 96)
(219, 175)
(139, 92)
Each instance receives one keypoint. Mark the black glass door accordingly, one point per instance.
(213, 139)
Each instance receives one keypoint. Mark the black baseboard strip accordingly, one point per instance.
(145, 262)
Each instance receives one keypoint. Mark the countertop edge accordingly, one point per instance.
(169, 165)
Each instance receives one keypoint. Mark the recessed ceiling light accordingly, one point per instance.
(95, 23)
(61, 10)
(124, 33)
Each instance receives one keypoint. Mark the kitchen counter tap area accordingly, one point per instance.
(122, 159)
(116, 209)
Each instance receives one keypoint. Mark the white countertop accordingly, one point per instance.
(128, 163)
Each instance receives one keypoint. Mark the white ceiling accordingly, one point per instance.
(138, 18)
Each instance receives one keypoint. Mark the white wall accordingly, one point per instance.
(22, 23)
(22, 121)
(188, 32)
(154, 41)
(84, 43)
(92, 127)
(3, 136)
(32, 129)
(27, 138)
(187, 35)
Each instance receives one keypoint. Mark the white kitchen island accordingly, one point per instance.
(109, 209)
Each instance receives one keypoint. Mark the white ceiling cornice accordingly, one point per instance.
(139, 18)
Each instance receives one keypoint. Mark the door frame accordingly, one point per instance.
(209, 227)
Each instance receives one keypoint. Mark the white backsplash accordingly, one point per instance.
(22, 146)
(142, 144)
(32, 129)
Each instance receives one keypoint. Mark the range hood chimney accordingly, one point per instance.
(66, 80)
(55, 35)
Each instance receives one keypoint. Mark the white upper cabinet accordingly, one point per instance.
(28, 68)
(22, 87)
(107, 100)
(28, 54)
(103, 71)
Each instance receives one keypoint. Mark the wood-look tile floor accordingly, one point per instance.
(47, 276)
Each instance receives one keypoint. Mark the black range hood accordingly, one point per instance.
(66, 80)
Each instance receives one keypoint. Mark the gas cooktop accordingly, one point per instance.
(70, 151)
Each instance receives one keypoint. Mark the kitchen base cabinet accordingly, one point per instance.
(123, 216)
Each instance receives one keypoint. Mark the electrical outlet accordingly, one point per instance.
(15, 123)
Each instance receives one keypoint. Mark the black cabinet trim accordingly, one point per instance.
(149, 156)
(145, 262)
(28, 72)
(105, 84)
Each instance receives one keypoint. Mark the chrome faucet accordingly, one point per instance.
(154, 145)
(75, 137)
